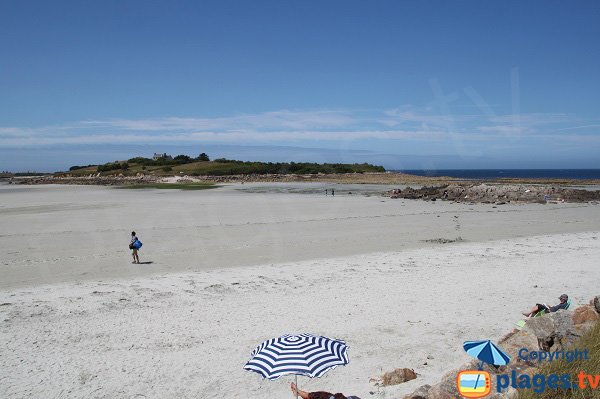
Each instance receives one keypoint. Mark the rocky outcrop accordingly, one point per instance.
(498, 194)
(553, 328)
(94, 180)
(512, 342)
(551, 332)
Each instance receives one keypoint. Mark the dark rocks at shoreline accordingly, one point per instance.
(498, 194)
(93, 180)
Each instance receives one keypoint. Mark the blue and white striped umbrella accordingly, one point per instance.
(302, 354)
(487, 352)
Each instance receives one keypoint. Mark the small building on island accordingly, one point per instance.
(164, 156)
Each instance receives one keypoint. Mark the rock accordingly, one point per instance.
(596, 303)
(398, 376)
(585, 313)
(514, 341)
(541, 327)
(510, 393)
(552, 328)
(496, 194)
(420, 393)
(445, 389)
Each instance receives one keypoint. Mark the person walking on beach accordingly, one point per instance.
(135, 244)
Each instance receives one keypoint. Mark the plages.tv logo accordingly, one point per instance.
(478, 383)
(474, 384)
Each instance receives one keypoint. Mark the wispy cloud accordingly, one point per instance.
(276, 120)
(404, 123)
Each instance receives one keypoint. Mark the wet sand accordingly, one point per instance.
(70, 233)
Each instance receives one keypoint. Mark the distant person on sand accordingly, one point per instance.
(332, 193)
(135, 244)
(319, 395)
(542, 306)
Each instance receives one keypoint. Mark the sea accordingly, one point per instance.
(508, 173)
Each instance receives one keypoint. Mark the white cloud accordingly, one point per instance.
(282, 126)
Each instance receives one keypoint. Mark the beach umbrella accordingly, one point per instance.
(487, 352)
(301, 354)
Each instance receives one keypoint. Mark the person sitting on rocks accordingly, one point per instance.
(540, 307)
(319, 395)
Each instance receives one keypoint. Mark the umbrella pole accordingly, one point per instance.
(296, 386)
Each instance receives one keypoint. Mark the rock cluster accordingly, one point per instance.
(92, 179)
(551, 332)
(496, 193)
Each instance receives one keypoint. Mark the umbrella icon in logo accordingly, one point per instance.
(487, 352)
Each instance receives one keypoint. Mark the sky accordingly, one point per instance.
(403, 84)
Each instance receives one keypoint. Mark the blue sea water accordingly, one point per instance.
(509, 173)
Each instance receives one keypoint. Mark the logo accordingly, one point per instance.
(474, 383)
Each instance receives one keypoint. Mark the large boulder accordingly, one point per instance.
(585, 314)
(553, 328)
(514, 341)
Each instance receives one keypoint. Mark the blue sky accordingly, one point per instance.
(406, 84)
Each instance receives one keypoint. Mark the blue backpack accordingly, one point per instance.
(137, 244)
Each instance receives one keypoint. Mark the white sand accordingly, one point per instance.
(78, 320)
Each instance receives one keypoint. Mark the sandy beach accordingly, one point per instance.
(235, 265)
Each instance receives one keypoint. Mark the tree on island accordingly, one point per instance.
(182, 159)
(203, 157)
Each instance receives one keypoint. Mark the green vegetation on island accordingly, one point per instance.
(163, 165)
